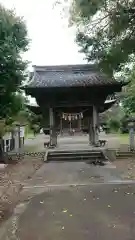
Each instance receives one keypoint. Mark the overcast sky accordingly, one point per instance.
(52, 41)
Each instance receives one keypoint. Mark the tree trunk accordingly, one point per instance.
(2, 155)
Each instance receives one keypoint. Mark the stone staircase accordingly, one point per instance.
(124, 155)
(119, 154)
(89, 156)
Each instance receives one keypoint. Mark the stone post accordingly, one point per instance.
(131, 135)
(17, 138)
(22, 134)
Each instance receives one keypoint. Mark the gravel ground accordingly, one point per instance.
(73, 201)
(11, 183)
(126, 167)
(13, 177)
(98, 212)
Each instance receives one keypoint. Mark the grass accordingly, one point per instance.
(32, 148)
(29, 135)
(124, 138)
(28, 132)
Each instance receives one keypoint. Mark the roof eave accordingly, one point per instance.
(29, 86)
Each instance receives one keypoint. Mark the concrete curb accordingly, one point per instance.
(45, 156)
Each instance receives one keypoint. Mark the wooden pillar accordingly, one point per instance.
(95, 126)
(90, 137)
(70, 125)
(61, 127)
(80, 124)
(91, 133)
(53, 135)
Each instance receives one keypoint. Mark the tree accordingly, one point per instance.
(36, 122)
(106, 31)
(112, 117)
(13, 43)
(106, 34)
(128, 96)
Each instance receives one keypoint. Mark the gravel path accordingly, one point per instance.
(11, 182)
(67, 200)
(73, 201)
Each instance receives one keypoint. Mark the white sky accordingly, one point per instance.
(51, 40)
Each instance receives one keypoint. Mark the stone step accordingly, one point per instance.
(75, 153)
(76, 156)
(125, 154)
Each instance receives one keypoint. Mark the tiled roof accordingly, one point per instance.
(68, 76)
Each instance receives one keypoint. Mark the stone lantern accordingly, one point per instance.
(17, 136)
(131, 126)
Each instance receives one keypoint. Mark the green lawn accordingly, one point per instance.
(124, 138)
(32, 148)
(29, 134)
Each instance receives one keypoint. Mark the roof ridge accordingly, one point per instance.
(64, 68)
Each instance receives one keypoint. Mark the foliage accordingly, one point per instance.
(106, 31)
(13, 43)
(8, 124)
(113, 117)
(106, 34)
(124, 125)
(128, 99)
(114, 112)
(114, 125)
(35, 122)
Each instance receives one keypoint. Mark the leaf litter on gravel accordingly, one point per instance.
(65, 211)
(109, 206)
